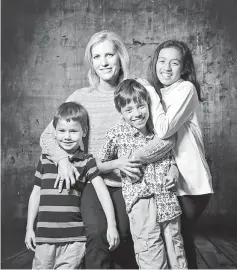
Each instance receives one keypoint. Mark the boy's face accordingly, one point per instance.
(69, 135)
(136, 114)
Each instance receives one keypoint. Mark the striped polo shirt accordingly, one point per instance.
(59, 215)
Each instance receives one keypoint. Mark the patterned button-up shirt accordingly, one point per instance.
(122, 140)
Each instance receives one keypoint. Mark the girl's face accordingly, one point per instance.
(106, 62)
(169, 66)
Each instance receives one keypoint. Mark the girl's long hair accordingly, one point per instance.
(188, 72)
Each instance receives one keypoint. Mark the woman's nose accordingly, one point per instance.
(104, 61)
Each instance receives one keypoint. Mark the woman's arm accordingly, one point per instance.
(66, 171)
(50, 146)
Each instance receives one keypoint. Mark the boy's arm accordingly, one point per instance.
(107, 205)
(108, 160)
(33, 208)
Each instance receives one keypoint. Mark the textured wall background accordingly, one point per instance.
(43, 45)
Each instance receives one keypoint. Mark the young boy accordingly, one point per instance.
(60, 236)
(154, 212)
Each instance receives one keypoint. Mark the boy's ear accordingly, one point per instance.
(84, 133)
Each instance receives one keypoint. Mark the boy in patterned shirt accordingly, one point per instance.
(60, 235)
(154, 212)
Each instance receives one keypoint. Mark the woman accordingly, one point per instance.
(175, 97)
(108, 62)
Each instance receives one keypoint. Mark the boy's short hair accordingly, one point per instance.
(130, 90)
(72, 111)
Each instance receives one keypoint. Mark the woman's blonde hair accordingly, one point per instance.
(119, 48)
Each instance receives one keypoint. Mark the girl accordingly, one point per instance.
(108, 62)
(175, 97)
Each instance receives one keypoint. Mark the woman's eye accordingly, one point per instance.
(110, 55)
(96, 56)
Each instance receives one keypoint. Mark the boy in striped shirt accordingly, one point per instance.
(59, 241)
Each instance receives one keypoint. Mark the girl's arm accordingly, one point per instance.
(33, 207)
(107, 205)
(169, 122)
(154, 150)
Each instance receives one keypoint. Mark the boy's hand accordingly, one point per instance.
(66, 172)
(130, 166)
(112, 237)
(30, 240)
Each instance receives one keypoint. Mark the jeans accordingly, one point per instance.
(98, 255)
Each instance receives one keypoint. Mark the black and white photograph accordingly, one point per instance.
(118, 134)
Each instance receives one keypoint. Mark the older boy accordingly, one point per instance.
(153, 210)
(60, 235)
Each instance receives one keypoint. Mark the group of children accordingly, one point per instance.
(154, 211)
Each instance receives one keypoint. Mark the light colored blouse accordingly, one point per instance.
(179, 113)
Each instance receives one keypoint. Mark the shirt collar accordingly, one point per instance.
(172, 85)
(77, 156)
(136, 133)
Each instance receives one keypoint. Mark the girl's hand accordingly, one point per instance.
(171, 178)
(147, 85)
(170, 183)
(112, 237)
(30, 240)
(130, 166)
(66, 172)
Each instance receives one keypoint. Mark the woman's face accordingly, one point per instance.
(106, 62)
(169, 66)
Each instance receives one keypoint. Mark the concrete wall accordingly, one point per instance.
(42, 63)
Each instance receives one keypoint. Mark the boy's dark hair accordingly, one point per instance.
(72, 111)
(188, 72)
(130, 90)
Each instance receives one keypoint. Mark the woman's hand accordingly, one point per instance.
(130, 166)
(66, 172)
(112, 237)
(30, 239)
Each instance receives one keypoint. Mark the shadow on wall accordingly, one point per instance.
(19, 19)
